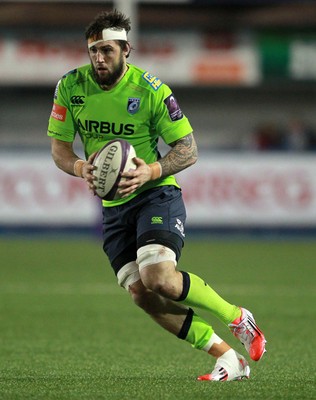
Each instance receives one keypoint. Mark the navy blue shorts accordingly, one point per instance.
(156, 216)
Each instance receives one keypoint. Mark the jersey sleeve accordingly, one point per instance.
(169, 120)
(61, 124)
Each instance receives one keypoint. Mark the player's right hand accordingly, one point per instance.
(87, 173)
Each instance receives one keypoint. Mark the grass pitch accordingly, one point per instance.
(69, 332)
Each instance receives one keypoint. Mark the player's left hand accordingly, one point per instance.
(134, 179)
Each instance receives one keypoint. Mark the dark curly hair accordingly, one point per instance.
(107, 19)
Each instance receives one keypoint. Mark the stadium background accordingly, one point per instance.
(235, 67)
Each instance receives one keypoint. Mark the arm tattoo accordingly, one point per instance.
(182, 155)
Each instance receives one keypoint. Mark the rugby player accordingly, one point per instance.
(144, 230)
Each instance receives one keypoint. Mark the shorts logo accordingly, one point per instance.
(156, 220)
(77, 100)
(179, 225)
(153, 81)
(133, 104)
(59, 112)
(174, 110)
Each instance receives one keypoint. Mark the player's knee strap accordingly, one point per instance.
(128, 275)
(154, 254)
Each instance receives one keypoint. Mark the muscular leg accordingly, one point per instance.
(164, 279)
(158, 273)
(168, 314)
(155, 287)
(173, 317)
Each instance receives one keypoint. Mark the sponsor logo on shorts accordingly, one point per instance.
(59, 112)
(153, 81)
(179, 225)
(133, 104)
(156, 220)
(174, 110)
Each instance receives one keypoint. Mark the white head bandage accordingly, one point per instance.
(108, 34)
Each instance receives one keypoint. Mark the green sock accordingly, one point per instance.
(196, 331)
(198, 293)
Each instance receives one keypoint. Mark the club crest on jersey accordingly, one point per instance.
(133, 104)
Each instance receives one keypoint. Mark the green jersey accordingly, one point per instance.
(139, 109)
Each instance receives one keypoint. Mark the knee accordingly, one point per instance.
(157, 270)
(129, 278)
(160, 283)
(141, 296)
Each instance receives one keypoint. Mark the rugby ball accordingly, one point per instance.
(110, 161)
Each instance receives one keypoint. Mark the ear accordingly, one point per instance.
(127, 49)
